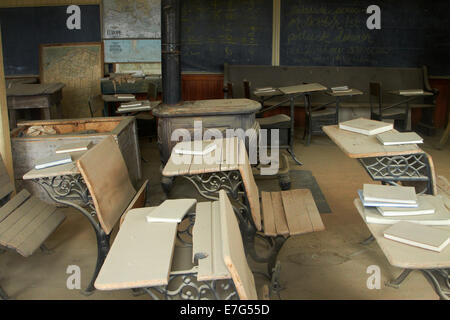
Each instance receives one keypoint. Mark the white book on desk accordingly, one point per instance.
(367, 203)
(124, 96)
(418, 235)
(366, 126)
(389, 194)
(54, 160)
(424, 208)
(341, 89)
(391, 138)
(191, 148)
(74, 147)
(441, 216)
(411, 92)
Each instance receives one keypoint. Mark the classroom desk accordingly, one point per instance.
(65, 186)
(432, 264)
(388, 164)
(110, 99)
(290, 93)
(34, 96)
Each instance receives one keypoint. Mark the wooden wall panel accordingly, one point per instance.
(202, 86)
(43, 3)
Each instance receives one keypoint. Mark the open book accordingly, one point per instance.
(54, 160)
(74, 147)
(198, 149)
(391, 138)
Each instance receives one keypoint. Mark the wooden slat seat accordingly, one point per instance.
(285, 213)
(25, 221)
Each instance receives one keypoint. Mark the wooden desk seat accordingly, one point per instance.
(291, 212)
(25, 221)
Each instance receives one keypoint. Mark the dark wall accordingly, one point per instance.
(24, 29)
(334, 33)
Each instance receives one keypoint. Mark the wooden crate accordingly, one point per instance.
(27, 150)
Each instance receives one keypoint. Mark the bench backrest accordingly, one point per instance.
(251, 189)
(106, 176)
(6, 187)
(233, 251)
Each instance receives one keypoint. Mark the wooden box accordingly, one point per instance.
(26, 150)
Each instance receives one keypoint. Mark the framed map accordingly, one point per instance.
(80, 67)
(137, 50)
(131, 19)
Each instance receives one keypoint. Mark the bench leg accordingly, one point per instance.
(102, 251)
(3, 294)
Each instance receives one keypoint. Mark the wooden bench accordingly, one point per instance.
(284, 213)
(25, 221)
(145, 255)
(105, 173)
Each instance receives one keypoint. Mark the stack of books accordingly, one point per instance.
(392, 201)
(135, 106)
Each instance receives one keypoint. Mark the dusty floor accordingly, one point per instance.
(326, 265)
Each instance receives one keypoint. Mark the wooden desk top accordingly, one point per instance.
(20, 90)
(223, 158)
(68, 169)
(303, 88)
(403, 255)
(353, 92)
(356, 145)
(208, 107)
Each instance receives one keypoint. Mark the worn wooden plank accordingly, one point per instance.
(311, 208)
(141, 255)
(29, 227)
(296, 215)
(279, 217)
(40, 234)
(9, 221)
(251, 188)
(41, 208)
(111, 197)
(233, 251)
(207, 243)
(230, 154)
(15, 202)
(268, 215)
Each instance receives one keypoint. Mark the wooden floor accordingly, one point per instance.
(322, 265)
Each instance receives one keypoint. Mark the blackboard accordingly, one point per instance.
(217, 31)
(24, 29)
(334, 33)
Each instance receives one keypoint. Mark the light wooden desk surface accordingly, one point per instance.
(224, 158)
(356, 145)
(36, 89)
(403, 255)
(303, 88)
(68, 169)
(410, 94)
